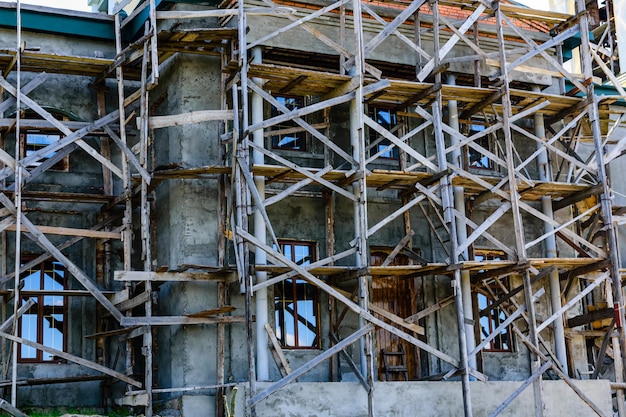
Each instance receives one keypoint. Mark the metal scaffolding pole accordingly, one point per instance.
(605, 196)
(447, 200)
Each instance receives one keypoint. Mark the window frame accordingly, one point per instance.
(494, 316)
(294, 283)
(40, 313)
(376, 144)
(300, 135)
(62, 165)
(486, 141)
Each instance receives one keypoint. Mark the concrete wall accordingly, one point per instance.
(187, 226)
(425, 399)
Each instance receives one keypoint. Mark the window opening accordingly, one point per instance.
(387, 119)
(45, 322)
(491, 318)
(475, 158)
(296, 302)
(288, 135)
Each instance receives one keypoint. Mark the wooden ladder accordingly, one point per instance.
(391, 365)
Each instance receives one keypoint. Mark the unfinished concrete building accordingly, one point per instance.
(341, 208)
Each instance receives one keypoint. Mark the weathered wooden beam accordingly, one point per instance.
(429, 310)
(419, 96)
(327, 354)
(590, 317)
(68, 231)
(576, 197)
(80, 276)
(582, 270)
(72, 358)
(200, 116)
(495, 96)
(398, 248)
(6, 406)
(351, 364)
(277, 351)
(175, 320)
(498, 272)
(173, 276)
(557, 314)
(521, 388)
(7, 326)
(272, 254)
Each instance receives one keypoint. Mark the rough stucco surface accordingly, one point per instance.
(426, 399)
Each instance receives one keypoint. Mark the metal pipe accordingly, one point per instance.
(461, 228)
(545, 174)
(261, 301)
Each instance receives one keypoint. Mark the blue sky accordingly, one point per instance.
(62, 4)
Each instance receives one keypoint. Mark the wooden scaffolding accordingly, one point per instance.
(434, 183)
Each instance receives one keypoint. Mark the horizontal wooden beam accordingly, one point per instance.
(68, 231)
(72, 358)
(225, 276)
(174, 320)
(157, 122)
(603, 313)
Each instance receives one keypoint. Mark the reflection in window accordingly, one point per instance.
(388, 120)
(475, 158)
(37, 141)
(45, 321)
(296, 302)
(288, 135)
(492, 317)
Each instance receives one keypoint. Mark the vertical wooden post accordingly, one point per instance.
(18, 204)
(605, 197)
(517, 218)
(127, 233)
(146, 248)
(357, 136)
(447, 199)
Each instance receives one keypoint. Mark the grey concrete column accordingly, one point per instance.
(550, 244)
(261, 301)
(461, 230)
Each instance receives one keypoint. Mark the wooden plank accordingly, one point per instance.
(352, 365)
(80, 276)
(200, 116)
(213, 311)
(327, 354)
(133, 302)
(7, 326)
(109, 333)
(557, 314)
(174, 320)
(300, 122)
(6, 406)
(72, 358)
(172, 276)
(279, 356)
(398, 248)
(518, 391)
(68, 231)
(512, 317)
(429, 310)
(389, 316)
(129, 154)
(590, 317)
(271, 253)
(445, 49)
(559, 373)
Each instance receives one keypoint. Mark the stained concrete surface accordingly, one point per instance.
(425, 399)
